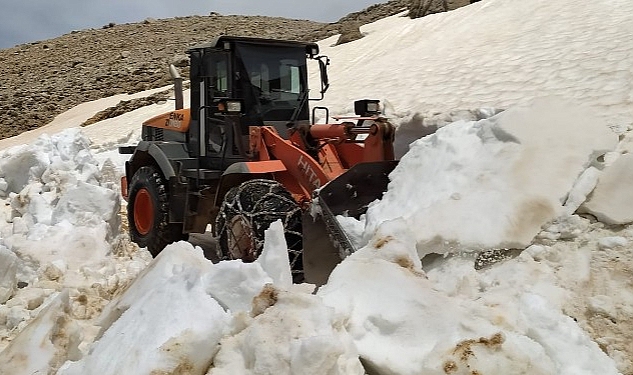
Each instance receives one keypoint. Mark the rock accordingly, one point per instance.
(421, 8)
(349, 33)
(180, 60)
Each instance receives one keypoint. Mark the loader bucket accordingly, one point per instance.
(325, 241)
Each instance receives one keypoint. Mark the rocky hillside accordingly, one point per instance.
(42, 79)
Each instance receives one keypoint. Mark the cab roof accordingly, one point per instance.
(227, 42)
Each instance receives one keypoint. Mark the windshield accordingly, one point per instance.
(273, 79)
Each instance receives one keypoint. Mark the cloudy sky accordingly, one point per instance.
(23, 21)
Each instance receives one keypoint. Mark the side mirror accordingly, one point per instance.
(324, 61)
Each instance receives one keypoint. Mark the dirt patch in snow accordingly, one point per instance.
(603, 302)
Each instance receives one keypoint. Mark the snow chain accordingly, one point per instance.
(262, 202)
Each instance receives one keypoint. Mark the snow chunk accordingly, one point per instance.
(611, 242)
(612, 200)
(296, 334)
(234, 284)
(274, 257)
(565, 228)
(193, 321)
(582, 188)
(47, 342)
(88, 205)
(495, 182)
(564, 342)
(20, 165)
(602, 305)
(176, 259)
(8, 273)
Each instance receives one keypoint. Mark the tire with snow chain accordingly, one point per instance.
(148, 211)
(247, 211)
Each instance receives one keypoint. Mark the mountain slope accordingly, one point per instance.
(42, 79)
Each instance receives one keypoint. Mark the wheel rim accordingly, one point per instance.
(240, 239)
(143, 211)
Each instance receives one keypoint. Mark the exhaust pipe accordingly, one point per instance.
(175, 76)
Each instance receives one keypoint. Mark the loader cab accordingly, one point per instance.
(237, 82)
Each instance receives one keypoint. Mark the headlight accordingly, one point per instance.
(234, 107)
(230, 106)
(367, 107)
(373, 107)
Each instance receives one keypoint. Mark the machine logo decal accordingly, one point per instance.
(174, 120)
(308, 172)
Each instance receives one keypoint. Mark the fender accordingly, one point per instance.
(159, 154)
(156, 153)
(240, 172)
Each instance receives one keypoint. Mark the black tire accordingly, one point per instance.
(247, 211)
(148, 211)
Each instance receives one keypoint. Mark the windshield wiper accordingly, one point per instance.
(303, 99)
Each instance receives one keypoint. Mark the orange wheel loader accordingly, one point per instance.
(247, 153)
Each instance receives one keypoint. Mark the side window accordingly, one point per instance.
(221, 76)
(295, 80)
(290, 77)
(265, 78)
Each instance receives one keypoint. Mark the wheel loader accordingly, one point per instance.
(248, 152)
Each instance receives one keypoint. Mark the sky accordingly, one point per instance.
(74, 294)
(29, 21)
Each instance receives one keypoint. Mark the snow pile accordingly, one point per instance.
(54, 192)
(255, 327)
(60, 226)
(498, 180)
(380, 311)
